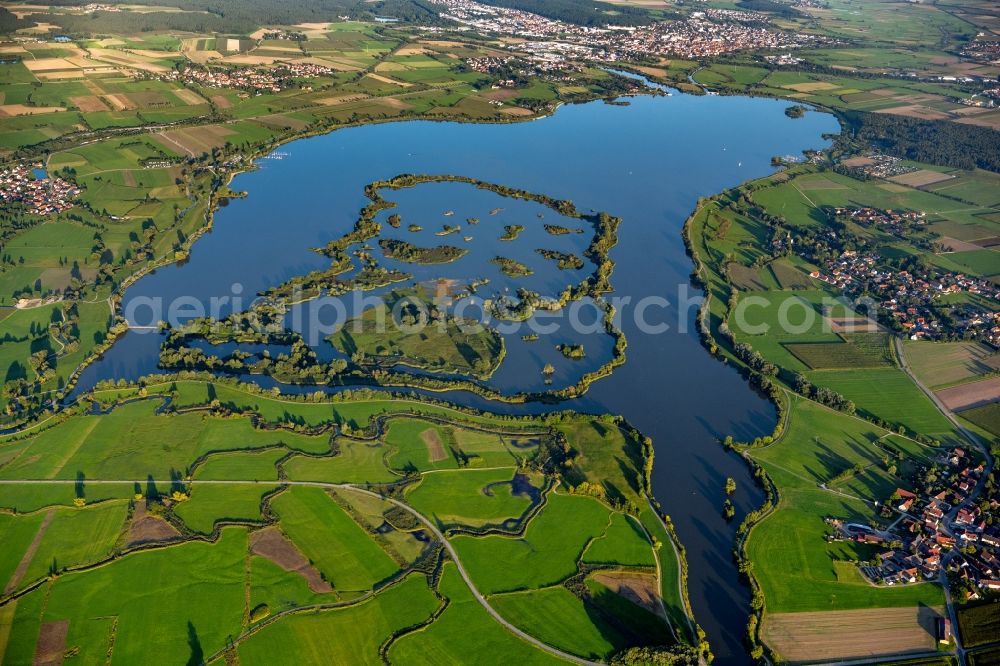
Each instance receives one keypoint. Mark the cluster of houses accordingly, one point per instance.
(982, 50)
(737, 15)
(41, 196)
(877, 166)
(251, 79)
(910, 299)
(937, 529)
(283, 36)
(705, 33)
(895, 222)
(98, 7)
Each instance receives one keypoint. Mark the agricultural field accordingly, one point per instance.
(216, 503)
(986, 417)
(799, 637)
(979, 623)
(890, 395)
(938, 365)
(815, 468)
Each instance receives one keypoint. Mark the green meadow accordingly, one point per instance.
(797, 568)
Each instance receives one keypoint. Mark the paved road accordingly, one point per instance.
(346, 486)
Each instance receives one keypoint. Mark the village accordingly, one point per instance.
(706, 33)
(946, 530)
(39, 195)
(254, 80)
(912, 300)
(915, 298)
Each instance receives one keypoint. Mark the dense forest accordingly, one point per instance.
(935, 141)
(234, 16)
(580, 13)
(9, 22)
(768, 6)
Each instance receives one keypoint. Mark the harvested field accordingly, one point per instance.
(516, 111)
(29, 554)
(435, 447)
(254, 60)
(119, 102)
(386, 79)
(146, 528)
(939, 364)
(916, 111)
(858, 162)
(8, 110)
(984, 120)
(502, 94)
(921, 178)
(51, 643)
(974, 394)
(811, 87)
(955, 245)
(640, 589)
(829, 635)
(272, 544)
(341, 99)
(201, 57)
(196, 140)
(853, 325)
(282, 122)
(89, 103)
(188, 96)
(221, 101)
(45, 64)
(394, 103)
(745, 277)
(127, 60)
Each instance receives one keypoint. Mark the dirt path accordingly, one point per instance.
(29, 554)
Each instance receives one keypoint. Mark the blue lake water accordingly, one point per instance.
(647, 163)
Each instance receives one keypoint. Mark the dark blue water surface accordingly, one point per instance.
(647, 163)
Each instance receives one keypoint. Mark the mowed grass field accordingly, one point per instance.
(342, 636)
(577, 630)
(126, 589)
(443, 641)
(888, 394)
(209, 504)
(134, 442)
(548, 552)
(335, 533)
(346, 555)
(796, 567)
(469, 496)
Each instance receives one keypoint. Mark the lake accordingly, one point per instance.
(646, 163)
